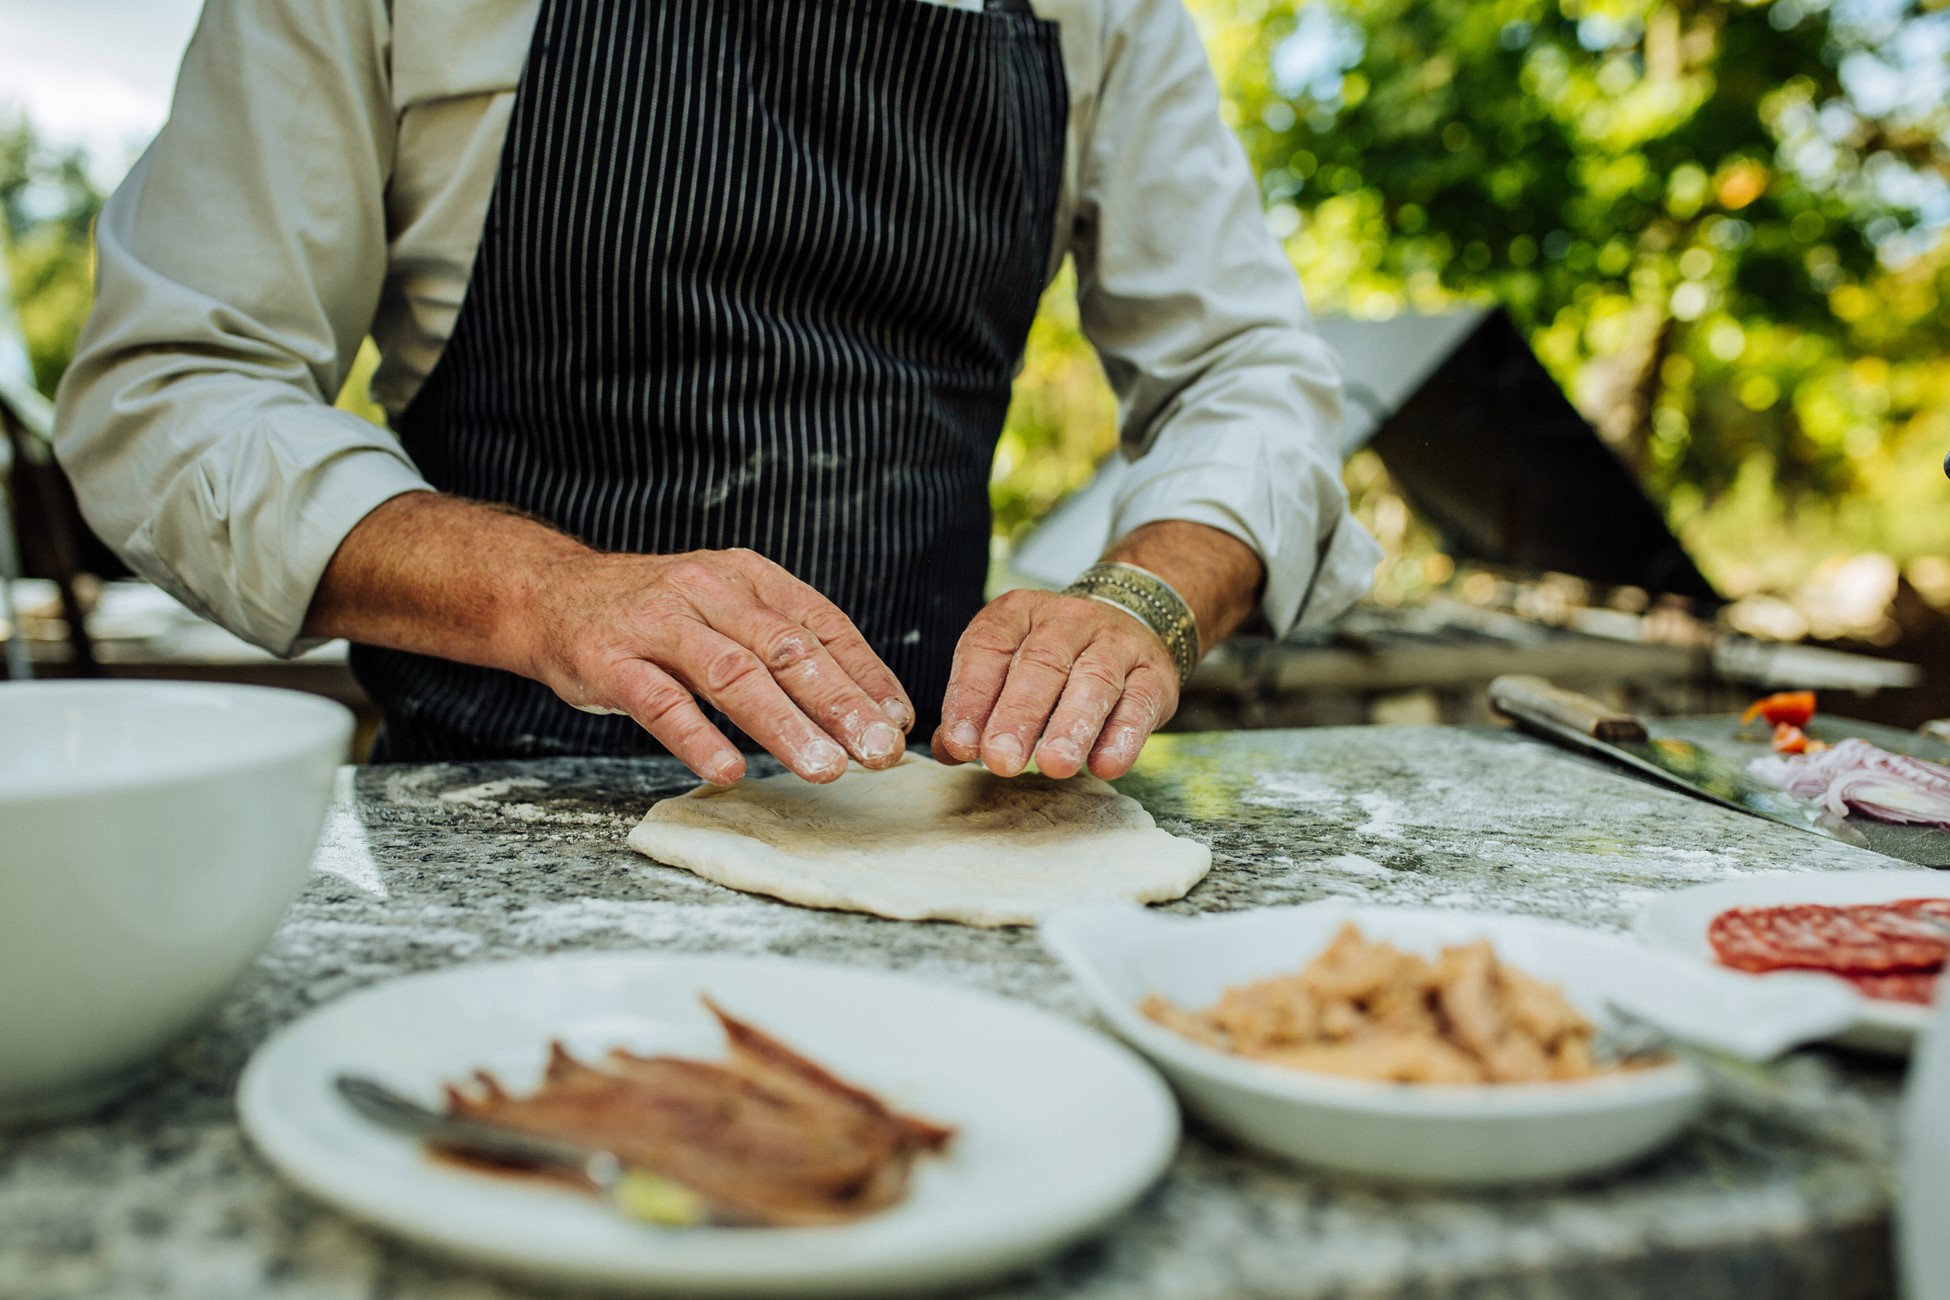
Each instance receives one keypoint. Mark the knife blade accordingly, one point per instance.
(635, 1193)
(1577, 720)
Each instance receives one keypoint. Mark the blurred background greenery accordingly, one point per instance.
(1721, 225)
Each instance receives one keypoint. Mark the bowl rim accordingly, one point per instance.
(309, 722)
(1676, 1080)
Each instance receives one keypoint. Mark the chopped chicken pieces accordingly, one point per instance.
(1369, 1010)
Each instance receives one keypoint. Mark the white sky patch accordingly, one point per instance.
(93, 74)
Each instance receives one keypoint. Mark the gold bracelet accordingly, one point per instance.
(1150, 599)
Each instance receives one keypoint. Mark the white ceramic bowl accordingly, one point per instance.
(1457, 1135)
(152, 835)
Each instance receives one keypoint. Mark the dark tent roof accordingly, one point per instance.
(1488, 449)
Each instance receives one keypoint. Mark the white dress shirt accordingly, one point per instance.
(325, 173)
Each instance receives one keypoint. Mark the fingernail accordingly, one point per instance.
(1065, 751)
(1008, 752)
(878, 741)
(822, 756)
(1127, 740)
(965, 735)
(902, 715)
(723, 764)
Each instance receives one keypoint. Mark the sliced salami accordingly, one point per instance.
(1937, 909)
(1859, 939)
(1918, 986)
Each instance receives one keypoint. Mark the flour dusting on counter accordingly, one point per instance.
(342, 848)
(491, 793)
(1384, 816)
(159, 1196)
(1290, 789)
(1354, 864)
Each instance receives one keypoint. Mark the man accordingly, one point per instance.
(697, 322)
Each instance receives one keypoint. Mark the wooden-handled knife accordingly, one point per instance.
(1583, 723)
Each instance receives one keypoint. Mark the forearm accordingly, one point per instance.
(441, 576)
(619, 633)
(1218, 575)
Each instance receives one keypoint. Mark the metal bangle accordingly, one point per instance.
(1150, 599)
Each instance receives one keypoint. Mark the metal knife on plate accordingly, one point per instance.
(635, 1193)
(1584, 723)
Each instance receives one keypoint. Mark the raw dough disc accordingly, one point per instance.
(920, 841)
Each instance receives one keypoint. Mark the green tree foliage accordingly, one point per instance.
(47, 209)
(1720, 224)
(1062, 421)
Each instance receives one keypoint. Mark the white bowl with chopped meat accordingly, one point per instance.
(1422, 1046)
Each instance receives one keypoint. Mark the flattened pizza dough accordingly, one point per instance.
(920, 842)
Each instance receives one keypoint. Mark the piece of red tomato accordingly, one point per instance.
(1794, 708)
(1789, 739)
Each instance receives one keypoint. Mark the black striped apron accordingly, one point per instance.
(755, 273)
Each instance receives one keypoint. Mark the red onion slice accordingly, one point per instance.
(1855, 776)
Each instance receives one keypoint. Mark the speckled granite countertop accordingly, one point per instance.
(423, 867)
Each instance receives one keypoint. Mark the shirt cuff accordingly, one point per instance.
(1343, 573)
(1310, 579)
(245, 541)
(348, 489)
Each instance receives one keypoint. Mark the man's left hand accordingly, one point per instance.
(1074, 682)
(1065, 679)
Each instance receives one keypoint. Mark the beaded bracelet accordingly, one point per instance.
(1151, 600)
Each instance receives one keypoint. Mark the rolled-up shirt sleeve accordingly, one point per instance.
(1229, 403)
(239, 266)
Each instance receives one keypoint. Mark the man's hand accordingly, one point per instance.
(1074, 682)
(634, 634)
(643, 634)
(1066, 679)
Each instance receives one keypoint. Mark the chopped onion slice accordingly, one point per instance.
(1855, 776)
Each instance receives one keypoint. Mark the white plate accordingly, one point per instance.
(1060, 1129)
(1678, 923)
(1463, 1135)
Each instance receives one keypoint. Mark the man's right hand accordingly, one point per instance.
(644, 635)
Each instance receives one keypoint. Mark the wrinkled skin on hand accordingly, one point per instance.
(1069, 681)
(645, 634)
